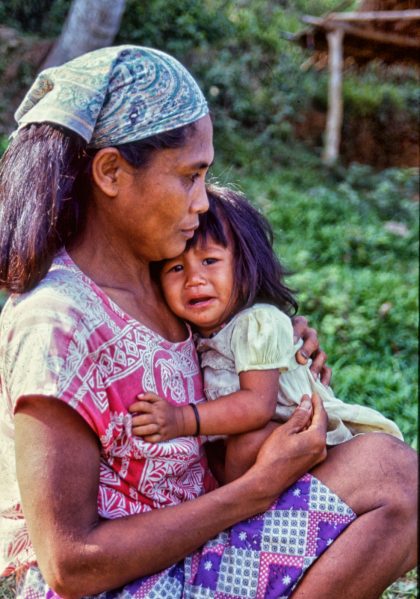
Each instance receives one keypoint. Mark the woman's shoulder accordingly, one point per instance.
(61, 297)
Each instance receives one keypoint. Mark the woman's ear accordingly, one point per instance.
(106, 170)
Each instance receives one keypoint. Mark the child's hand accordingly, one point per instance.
(155, 419)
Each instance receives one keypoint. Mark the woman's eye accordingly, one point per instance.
(194, 177)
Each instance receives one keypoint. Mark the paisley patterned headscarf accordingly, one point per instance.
(115, 95)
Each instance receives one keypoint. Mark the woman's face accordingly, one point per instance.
(159, 207)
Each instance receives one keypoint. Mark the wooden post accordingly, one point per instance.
(335, 99)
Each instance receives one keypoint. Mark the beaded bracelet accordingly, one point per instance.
(197, 419)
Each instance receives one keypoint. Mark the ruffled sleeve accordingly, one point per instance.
(262, 339)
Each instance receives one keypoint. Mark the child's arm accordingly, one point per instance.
(245, 410)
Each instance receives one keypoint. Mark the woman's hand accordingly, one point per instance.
(293, 448)
(73, 544)
(311, 349)
(155, 419)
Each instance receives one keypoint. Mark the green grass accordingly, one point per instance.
(356, 275)
(7, 588)
(403, 588)
(350, 238)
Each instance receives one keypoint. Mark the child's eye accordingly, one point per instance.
(208, 261)
(175, 268)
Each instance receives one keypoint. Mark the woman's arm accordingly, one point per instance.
(79, 554)
(250, 408)
(311, 349)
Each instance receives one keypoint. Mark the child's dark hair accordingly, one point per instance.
(258, 273)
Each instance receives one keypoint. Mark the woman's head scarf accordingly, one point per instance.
(114, 96)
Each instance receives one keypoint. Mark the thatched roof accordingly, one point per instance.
(386, 30)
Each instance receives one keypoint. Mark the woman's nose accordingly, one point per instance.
(200, 203)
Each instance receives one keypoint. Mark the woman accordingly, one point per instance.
(109, 163)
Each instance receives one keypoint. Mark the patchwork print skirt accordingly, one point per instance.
(260, 558)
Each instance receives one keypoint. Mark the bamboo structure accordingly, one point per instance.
(372, 33)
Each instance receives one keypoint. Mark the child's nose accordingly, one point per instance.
(195, 277)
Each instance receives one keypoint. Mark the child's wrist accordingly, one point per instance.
(189, 421)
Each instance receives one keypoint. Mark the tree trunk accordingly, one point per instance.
(91, 24)
(335, 99)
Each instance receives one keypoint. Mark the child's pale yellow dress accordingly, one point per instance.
(261, 338)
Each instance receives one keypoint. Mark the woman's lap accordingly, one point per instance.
(369, 470)
(263, 557)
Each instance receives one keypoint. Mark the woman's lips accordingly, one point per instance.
(189, 233)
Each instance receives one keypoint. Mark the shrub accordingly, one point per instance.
(350, 238)
(349, 234)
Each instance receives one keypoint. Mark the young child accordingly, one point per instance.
(228, 285)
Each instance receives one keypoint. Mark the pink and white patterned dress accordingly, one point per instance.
(67, 339)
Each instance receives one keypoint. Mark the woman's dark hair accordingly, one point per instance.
(258, 273)
(45, 187)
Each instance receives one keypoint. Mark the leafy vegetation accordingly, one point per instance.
(249, 71)
(404, 588)
(7, 587)
(350, 240)
(348, 234)
(40, 17)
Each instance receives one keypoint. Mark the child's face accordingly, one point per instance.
(198, 285)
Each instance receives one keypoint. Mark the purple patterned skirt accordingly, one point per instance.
(260, 558)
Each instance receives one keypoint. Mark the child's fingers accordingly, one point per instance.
(153, 438)
(143, 419)
(149, 396)
(145, 430)
(145, 406)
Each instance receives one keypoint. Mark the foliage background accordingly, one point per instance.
(349, 234)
